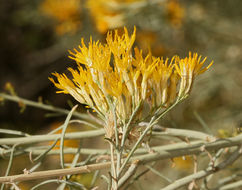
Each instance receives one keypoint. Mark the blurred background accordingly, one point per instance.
(35, 37)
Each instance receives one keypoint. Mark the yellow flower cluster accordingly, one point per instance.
(65, 12)
(116, 75)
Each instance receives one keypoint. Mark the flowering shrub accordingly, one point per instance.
(118, 85)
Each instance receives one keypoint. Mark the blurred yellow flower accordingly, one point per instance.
(104, 16)
(183, 163)
(149, 41)
(67, 143)
(65, 12)
(111, 75)
(175, 12)
(107, 14)
(223, 133)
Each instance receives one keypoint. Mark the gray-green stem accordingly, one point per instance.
(152, 122)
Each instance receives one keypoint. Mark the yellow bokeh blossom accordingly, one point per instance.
(183, 163)
(148, 40)
(116, 75)
(73, 143)
(104, 16)
(65, 12)
(175, 13)
(107, 14)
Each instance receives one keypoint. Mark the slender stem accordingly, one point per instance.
(211, 164)
(136, 178)
(202, 122)
(14, 132)
(232, 186)
(95, 177)
(43, 138)
(115, 125)
(159, 174)
(42, 106)
(108, 181)
(126, 127)
(84, 122)
(10, 163)
(113, 169)
(227, 180)
(46, 151)
(75, 184)
(128, 174)
(63, 135)
(152, 122)
(180, 133)
(117, 149)
(134, 148)
(73, 164)
(125, 133)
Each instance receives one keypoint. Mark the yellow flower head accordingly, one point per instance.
(191, 66)
(113, 75)
(188, 68)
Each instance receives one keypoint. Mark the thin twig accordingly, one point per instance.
(234, 185)
(152, 122)
(113, 169)
(58, 181)
(54, 173)
(46, 151)
(84, 122)
(129, 173)
(158, 173)
(73, 164)
(9, 163)
(63, 136)
(211, 164)
(108, 181)
(202, 122)
(94, 178)
(14, 132)
(126, 131)
(43, 138)
(136, 178)
(42, 106)
(228, 179)
(180, 132)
